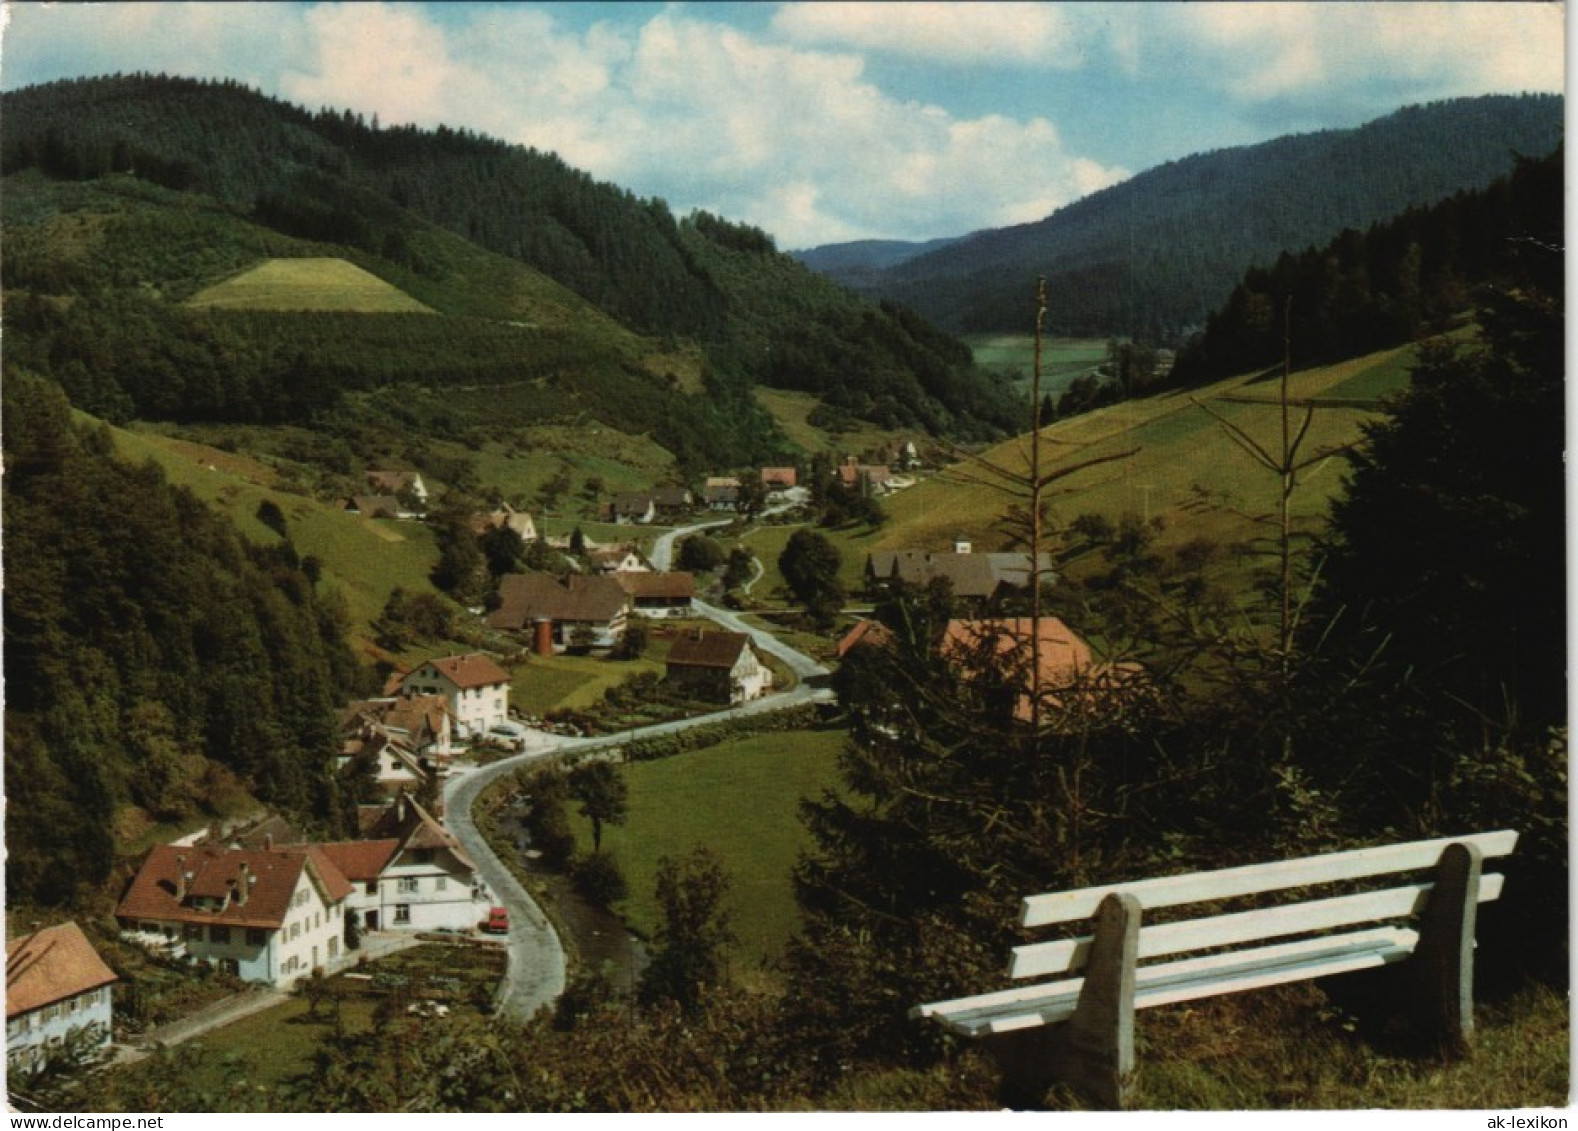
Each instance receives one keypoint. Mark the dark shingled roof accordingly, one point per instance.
(708, 649)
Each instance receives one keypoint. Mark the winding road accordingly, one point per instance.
(535, 975)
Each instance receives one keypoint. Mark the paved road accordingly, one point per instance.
(662, 555)
(535, 974)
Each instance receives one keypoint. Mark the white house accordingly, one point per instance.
(56, 985)
(475, 688)
(399, 483)
(267, 915)
(418, 878)
(719, 665)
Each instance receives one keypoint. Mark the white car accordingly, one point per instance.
(511, 734)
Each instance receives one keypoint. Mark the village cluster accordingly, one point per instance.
(269, 905)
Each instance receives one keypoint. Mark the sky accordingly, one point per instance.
(827, 122)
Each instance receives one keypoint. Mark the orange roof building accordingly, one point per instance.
(266, 915)
(55, 985)
(474, 687)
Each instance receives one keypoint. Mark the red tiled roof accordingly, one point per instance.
(270, 876)
(1064, 656)
(51, 965)
(865, 632)
(360, 860)
(707, 649)
(471, 670)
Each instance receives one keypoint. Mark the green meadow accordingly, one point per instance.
(741, 799)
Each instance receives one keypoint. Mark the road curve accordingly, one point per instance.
(535, 974)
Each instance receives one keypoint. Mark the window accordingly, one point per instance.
(409, 884)
(256, 936)
(193, 932)
(424, 856)
(372, 887)
(334, 949)
(295, 930)
(441, 884)
(219, 935)
(402, 913)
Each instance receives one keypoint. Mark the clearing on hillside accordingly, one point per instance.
(308, 284)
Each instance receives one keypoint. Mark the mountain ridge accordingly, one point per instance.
(1155, 254)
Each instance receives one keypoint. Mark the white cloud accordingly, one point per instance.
(1042, 34)
(1256, 51)
(796, 141)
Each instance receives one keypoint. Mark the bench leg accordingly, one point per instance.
(1443, 961)
(1094, 1049)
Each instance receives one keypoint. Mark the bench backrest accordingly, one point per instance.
(1068, 956)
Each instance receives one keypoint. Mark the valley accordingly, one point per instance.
(405, 530)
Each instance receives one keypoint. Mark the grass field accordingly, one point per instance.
(739, 798)
(308, 284)
(1183, 470)
(1062, 359)
(364, 558)
(768, 542)
(792, 410)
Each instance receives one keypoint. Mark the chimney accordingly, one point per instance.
(268, 842)
(244, 885)
(182, 877)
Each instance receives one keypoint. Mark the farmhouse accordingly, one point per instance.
(779, 478)
(399, 483)
(721, 492)
(975, 577)
(1070, 678)
(56, 985)
(722, 666)
(475, 689)
(616, 559)
(266, 915)
(577, 611)
(632, 506)
(672, 502)
(414, 877)
(374, 506)
(505, 517)
(659, 594)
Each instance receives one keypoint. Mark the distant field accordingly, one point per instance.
(741, 799)
(792, 411)
(1062, 359)
(308, 284)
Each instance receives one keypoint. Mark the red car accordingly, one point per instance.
(497, 922)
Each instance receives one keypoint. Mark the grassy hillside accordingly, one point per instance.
(1184, 472)
(307, 284)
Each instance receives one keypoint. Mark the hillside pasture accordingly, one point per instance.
(1184, 468)
(365, 559)
(792, 411)
(1062, 359)
(319, 283)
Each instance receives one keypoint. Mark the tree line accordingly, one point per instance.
(155, 660)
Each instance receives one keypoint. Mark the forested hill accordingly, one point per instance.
(1157, 253)
(331, 177)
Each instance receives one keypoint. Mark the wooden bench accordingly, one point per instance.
(1080, 1027)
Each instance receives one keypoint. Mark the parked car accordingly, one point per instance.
(511, 734)
(497, 922)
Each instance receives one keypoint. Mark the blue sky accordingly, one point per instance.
(831, 121)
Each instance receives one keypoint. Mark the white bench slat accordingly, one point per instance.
(1226, 883)
(1186, 980)
(1040, 959)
